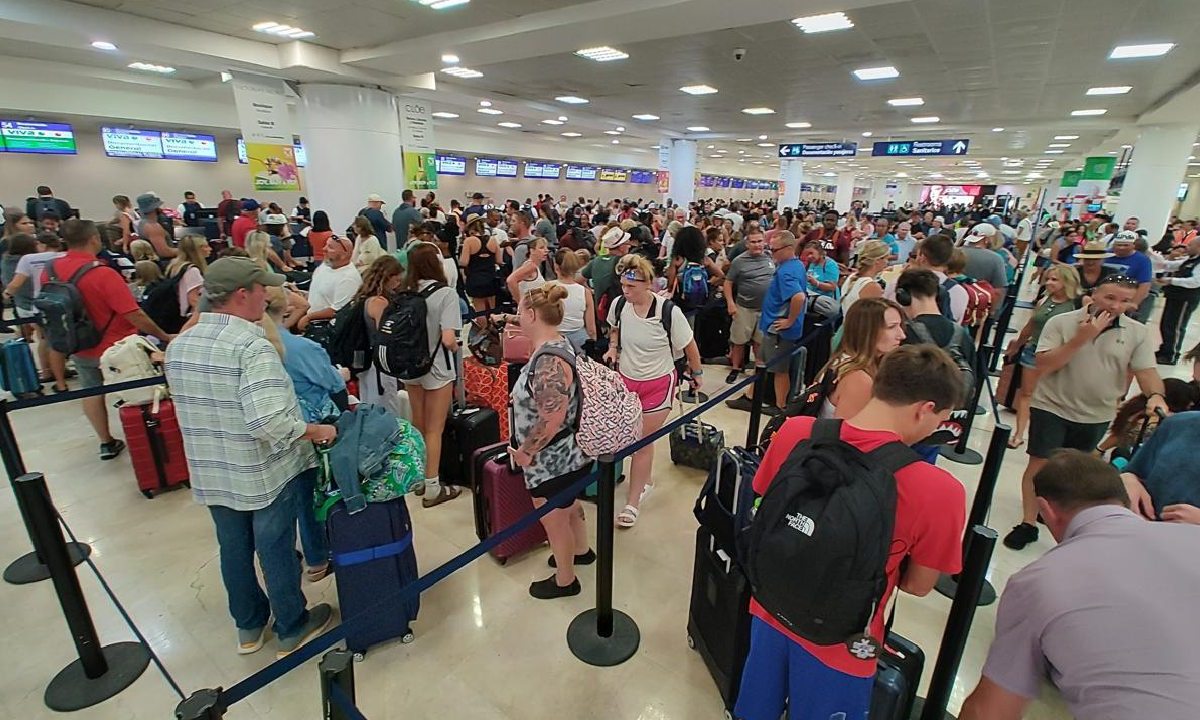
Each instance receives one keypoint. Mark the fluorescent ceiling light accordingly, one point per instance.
(1010, 172)
(1066, 137)
(906, 102)
(491, 111)
(450, 59)
(823, 23)
(799, 125)
(766, 144)
(287, 31)
(552, 122)
(620, 129)
(509, 125)
(1113, 90)
(571, 100)
(616, 142)
(151, 67)
(756, 162)
(645, 116)
(602, 54)
(572, 134)
(103, 45)
(462, 72)
(1059, 145)
(562, 118)
(485, 103)
(442, 4)
(612, 132)
(868, 133)
(883, 72)
(997, 129)
(829, 174)
(1088, 113)
(710, 147)
(745, 139)
(445, 115)
(927, 119)
(758, 111)
(763, 137)
(1126, 147)
(1125, 52)
(1054, 152)
(698, 89)
(697, 128)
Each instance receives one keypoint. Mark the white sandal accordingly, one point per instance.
(627, 518)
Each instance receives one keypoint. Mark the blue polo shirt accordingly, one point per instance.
(1136, 266)
(791, 278)
(1166, 463)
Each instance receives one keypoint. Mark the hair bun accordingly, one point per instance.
(556, 292)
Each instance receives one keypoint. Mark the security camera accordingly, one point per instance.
(739, 54)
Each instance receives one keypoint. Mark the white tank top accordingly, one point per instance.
(525, 286)
(574, 307)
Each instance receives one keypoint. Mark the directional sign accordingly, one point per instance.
(803, 150)
(898, 148)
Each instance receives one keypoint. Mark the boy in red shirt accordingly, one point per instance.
(915, 389)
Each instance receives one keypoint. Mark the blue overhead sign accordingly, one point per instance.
(901, 148)
(804, 150)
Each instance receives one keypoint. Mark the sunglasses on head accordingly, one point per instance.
(1122, 280)
(633, 276)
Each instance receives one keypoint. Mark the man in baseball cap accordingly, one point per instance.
(379, 222)
(602, 270)
(1137, 265)
(984, 263)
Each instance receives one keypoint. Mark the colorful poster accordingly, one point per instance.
(1071, 178)
(416, 137)
(273, 167)
(664, 182)
(420, 171)
(1099, 168)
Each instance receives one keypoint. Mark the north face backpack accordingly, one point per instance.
(69, 327)
(349, 342)
(692, 288)
(609, 416)
(161, 302)
(816, 551)
(403, 351)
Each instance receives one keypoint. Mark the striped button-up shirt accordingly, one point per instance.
(238, 412)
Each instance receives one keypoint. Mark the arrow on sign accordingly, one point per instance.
(959, 147)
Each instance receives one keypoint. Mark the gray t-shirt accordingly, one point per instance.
(441, 313)
(545, 228)
(751, 276)
(986, 265)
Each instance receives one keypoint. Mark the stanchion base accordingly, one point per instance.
(966, 457)
(994, 373)
(919, 706)
(947, 585)
(589, 647)
(71, 689)
(26, 569)
(980, 410)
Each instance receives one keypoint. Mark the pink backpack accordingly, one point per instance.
(609, 417)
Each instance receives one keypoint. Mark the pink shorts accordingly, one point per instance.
(656, 394)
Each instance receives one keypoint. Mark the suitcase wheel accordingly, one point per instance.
(503, 561)
(728, 715)
(360, 656)
(187, 484)
(407, 638)
(149, 494)
(691, 643)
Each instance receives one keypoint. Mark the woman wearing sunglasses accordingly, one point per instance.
(643, 352)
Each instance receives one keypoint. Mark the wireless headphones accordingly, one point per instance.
(903, 296)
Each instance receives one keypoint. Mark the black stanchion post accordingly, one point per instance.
(336, 668)
(1002, 323)
(29, 567)
(960, 453)
(761, 378)
(603, 636)
(203, 704)
(101, 671)
(948, 584)
(958, 625)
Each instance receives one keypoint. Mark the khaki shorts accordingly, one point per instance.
(745, 327)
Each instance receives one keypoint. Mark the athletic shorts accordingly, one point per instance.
(773, 346)
(89, 371)
(779, 671)
(1049, 432)
(745, 326)
(656, 395)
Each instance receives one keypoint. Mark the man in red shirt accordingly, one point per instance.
(837, 243)
(915, 389)
(245, 223)
(112, 309)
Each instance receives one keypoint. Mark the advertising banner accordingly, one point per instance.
(273, 167)
(416, 138)
(1099, 168)
(1071, 178)
(664, 182)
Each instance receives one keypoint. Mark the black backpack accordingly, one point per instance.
(804, 402)
(349, 340)
(954, 348)
(68, 326)
(816, 551)
(403, 351)
(44, 206)
(161, 302)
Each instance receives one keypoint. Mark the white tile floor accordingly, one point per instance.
(484, 648)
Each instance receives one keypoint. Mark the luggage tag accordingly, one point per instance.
(862, 645)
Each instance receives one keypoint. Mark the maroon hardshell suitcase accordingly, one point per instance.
(500, 500)
(155, 446)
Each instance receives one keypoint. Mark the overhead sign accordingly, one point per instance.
(904, 148)
(548, 171)
(642, 177)
(613, 175)
(37, 137)
(451, 165)
(803, 150)
(1071, 178)
(582, 172)
(1099, 168)
(262, 109)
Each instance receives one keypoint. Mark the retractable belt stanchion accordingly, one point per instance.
(958, 626)
(101, 671)
(336, 668)
(603, 636)
(761, 378)
(948, 585)
(202, 705)
(30, 567)
(959, 452)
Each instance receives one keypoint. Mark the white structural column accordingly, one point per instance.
(845, 191)
(683, 172)
(791, 175)
(1160, 159)
(879, 194)
(352, 139)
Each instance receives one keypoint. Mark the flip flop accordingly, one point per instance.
(1014, 443)
(627, 518)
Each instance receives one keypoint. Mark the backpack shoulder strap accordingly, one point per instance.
(893, 456)
(667, 317)
(922, 332)
(75, 278)
(434, 287)
(827, 429)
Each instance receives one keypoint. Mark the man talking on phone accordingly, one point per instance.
(1084, 359)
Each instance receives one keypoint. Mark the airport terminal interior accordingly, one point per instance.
(1050, 134)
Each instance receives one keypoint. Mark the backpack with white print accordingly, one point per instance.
(609, 416)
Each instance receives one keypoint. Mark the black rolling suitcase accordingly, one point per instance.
(712, 328)
(467, 429)
(373, 559)
(896, 679)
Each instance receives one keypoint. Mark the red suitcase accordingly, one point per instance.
(488, 386)
(155, 446)
(500, 500)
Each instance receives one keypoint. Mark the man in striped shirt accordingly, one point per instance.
(249, 452)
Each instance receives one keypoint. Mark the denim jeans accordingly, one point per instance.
(312, 533)
(271, 532)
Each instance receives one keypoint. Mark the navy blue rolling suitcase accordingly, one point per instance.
(373, 560)
(18, 374)
(896, 679)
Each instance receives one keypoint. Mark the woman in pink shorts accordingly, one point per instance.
(644, 355)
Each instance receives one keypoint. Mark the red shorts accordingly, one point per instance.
(656, 395)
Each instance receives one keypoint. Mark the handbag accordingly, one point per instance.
(514, 344)
(1009, 383)
(696, 445)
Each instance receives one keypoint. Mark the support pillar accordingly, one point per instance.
(791, 175)
(683, 172)
(1160, 158)
(845, 191)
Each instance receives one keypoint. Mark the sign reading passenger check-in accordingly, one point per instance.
(806, 150)
(904, 148)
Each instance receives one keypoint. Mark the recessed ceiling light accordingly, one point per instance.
(1066, 137)
(697, 128)
(462, 72)
(450, 59)
(620, 128)
(445, 115)
(756, 162)
(562, 118)
(151, 67)
(645, 116)
(927, 119)
(883, 72)
(1114, 90)
(571, 100)
(616, 142)
(612, 132)
(572, 134)
(698, 89)
(1088, 113)
(745, 139)
(758, 111)
(442, 4)
(766, 144)
(823, 23)
(286, 31)
(1010, 172)
(490, 111)
(906, 102)
(1054, 152)
(552, 122)
(997, 129)
(485, 103)
(1127, 147)
(1059, 145)
(602, 54)
(799, 125)
(763, 137)
(710, 147)
(103, 45)
(509, 125)
(868, 133)
(1125, 52)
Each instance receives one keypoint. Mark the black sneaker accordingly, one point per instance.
(587, 558)
(110, 450)
(1164, 360)
(549, 589)
(732, 377)
(1020, 536)
(741, 402)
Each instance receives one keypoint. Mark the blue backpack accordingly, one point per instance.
(692, 288)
